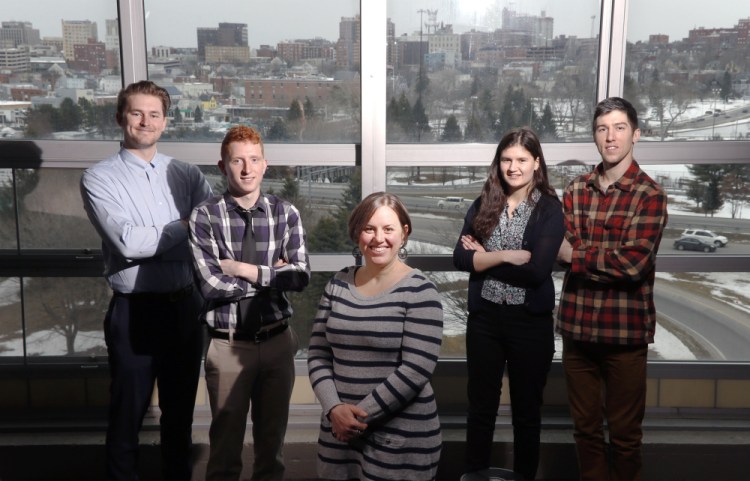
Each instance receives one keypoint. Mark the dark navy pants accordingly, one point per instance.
(152, 339)
(498, 336)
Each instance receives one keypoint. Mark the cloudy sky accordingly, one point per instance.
(174, 22)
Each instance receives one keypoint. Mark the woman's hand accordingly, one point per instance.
(471, 244)
(345, 421)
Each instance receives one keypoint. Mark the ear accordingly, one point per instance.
(222, 167)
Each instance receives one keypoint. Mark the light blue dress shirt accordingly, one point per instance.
(137, 208)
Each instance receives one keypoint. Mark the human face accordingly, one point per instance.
(244, 168)
(517, 166)
(142, 121)
(615, 137)
(382, 237)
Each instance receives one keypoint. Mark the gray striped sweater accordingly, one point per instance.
(379, 353)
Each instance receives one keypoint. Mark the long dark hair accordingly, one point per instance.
(495, 191)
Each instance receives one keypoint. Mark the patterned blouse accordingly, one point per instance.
(508, 235)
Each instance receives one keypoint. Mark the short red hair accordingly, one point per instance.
(240, 133)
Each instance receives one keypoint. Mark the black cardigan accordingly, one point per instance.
(542, 237)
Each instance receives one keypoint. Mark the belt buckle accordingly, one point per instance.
(260, 336)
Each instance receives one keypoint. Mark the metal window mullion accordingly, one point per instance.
(373, 62)
(617, 48)
(132, 40)
(605, 41)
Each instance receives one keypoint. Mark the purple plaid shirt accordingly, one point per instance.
(216, 231)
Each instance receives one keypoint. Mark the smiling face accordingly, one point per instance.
(615, 138)
(381, 238)
(517, 166)
(142, 121)
(244, 167)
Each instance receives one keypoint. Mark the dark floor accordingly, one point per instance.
(680, 450)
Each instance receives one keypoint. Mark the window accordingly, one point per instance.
(231, 52)
(469, 71)
(63, 70)
(689, 77)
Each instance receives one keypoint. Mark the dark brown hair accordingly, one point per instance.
(495, 191)
(361, 214)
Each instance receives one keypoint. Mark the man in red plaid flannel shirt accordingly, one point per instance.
(614, 218)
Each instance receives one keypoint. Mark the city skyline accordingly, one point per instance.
(571, 18)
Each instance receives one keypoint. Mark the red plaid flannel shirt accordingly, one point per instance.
(608, 293)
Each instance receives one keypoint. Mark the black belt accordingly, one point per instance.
(258, 337)
(173, 296)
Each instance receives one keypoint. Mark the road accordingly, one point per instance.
(712, 329)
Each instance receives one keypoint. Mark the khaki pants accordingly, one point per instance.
(606, 381)
(241, 375)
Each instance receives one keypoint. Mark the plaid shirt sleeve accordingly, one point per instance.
(617, 242)
(287, 243)
(208, 249)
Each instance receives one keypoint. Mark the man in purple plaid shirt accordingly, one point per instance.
(249, 249)
(614, 218)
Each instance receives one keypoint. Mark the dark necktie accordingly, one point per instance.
(249, 313)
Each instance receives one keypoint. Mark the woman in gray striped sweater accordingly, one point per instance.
(373, 348)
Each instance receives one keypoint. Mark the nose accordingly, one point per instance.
(379, 235)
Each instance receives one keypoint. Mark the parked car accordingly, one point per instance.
(705, 234)
(451, 202)
(694, 244)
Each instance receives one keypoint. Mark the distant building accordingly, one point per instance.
(15, 59)
(348, 47)
(279, 93)
(226, 35)
(13, 34)
(77, 32)
(216, 54)
(89, 57)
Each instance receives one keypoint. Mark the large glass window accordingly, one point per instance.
(63, 316)
(689, 75)
(468, 71)
(63, 69)
(51, 214)
(11, 332)
(296, 80)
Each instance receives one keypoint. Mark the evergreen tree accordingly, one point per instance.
(278, 131)
(451, 131)
(198, 115)
(547, 129)
(308, 108)
(710, 175)
(473, 129)
(295, 111)
(421, 122)
(405, 116)
(177, 115)
(726, 86)
(331, 234)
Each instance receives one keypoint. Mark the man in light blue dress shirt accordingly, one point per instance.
(140, 201)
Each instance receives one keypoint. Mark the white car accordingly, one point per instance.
(707, 235)
(451, 202)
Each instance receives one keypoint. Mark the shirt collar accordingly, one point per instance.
(136, 162)
(624, 183)
(260, 204)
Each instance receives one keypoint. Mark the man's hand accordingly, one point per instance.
(233, 268)
(565, 254)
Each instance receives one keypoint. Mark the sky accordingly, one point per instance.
(174, 22)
